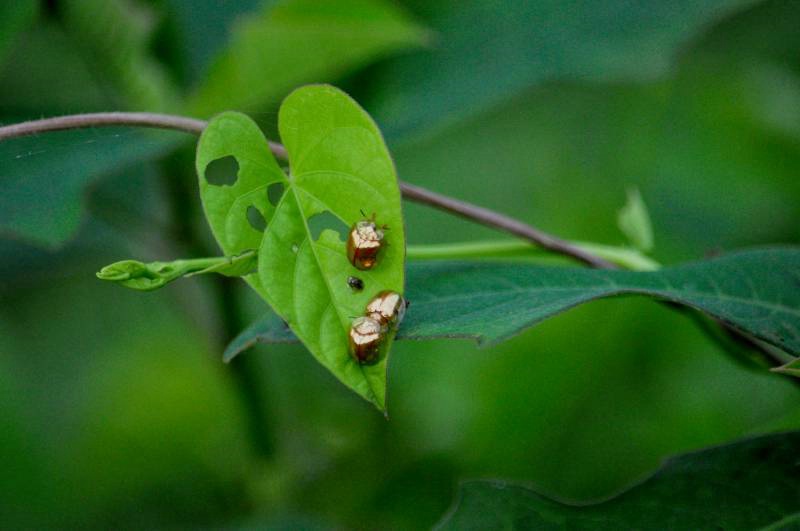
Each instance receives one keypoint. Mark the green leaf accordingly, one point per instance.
(339, 167)
(301, 41)
(532, 43)
(27, 92)
(757, 292)
(146, 277)
(634, 221)
(202, 28)
(268, 329)
(14, 18)
(752, 484)
(115, 37)
(43, 177)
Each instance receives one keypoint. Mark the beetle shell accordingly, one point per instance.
(388, 308)
(366, 337)
(356, 283)
(363, 244)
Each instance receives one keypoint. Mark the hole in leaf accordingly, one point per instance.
(295, 248)
(274, 193)
(326, 220)
(222, 172)
(255, 219)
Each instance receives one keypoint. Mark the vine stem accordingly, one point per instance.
(475, 213)
(412, 192)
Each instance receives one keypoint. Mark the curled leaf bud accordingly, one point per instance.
(124, 270)
(136, 275)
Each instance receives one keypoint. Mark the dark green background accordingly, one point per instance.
(115, 408)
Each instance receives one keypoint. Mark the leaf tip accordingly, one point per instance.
(633, 220)
(791, 368)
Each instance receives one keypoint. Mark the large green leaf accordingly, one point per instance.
(27, 91)
(14, 18)
(340, 167)
(752, 484)
(300, 41)
(202, 29)
(757, 292)
(484, 54)
(43, 177)
(114, 36)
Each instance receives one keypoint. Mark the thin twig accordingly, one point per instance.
(412, 192)
(103, 119)
(110, 119)
(499, 221)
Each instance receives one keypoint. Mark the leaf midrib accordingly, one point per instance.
(293, 189)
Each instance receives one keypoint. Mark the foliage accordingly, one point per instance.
(493, 301)
(340, 166)
(536, 42)
(68, 161)
(116, 35)
(703, 490)
(259, 66)
(300, 41)
(145, 277)
(545, 111)
(14, 18)
(634, 221)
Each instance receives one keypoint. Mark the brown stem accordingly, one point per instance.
(103, 119)
(110, 119)
(466, 210)
(499, 221)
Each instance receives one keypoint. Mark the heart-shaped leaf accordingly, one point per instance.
(340, 171)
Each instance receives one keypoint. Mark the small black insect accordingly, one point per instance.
(356, 283)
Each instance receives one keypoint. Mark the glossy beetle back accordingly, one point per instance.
(366, 337)
(388, 308)
(364, 243)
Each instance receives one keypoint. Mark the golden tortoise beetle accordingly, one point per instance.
(364, 243)
(366, 337)
(388, 308)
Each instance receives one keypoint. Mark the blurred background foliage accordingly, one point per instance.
(115, 408)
